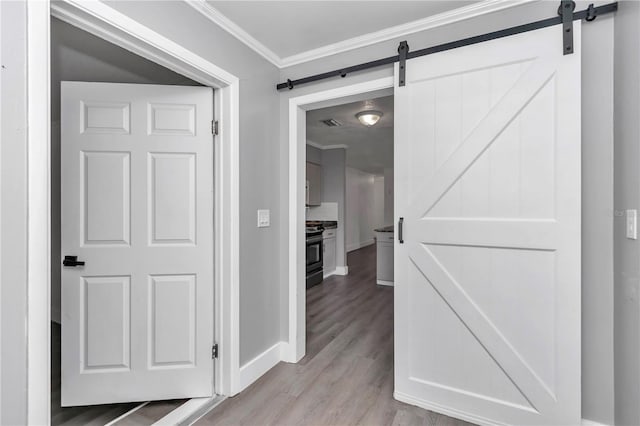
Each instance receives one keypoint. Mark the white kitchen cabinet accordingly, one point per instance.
(329, 246)
(314, 185)
(384, 258)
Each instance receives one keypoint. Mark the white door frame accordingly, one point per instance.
(115, 27)
(294, 350)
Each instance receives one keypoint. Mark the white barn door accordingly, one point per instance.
(137, 209)
(487, 295)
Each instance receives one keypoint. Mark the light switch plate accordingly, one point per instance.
(263, 218)
(632, 224)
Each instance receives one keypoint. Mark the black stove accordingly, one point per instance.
(314, 252)
(314, 230)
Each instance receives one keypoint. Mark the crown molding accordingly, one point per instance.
(456, 15)
(439, 20)
(323, 147)
(232, 28)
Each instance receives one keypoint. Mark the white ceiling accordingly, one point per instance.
(290, 28)
(369, 149)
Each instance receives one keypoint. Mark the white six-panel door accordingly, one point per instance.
(137, 208)
(487, 282)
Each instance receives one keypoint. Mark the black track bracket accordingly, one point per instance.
(566, 12)
(592, 13)
(403, 51)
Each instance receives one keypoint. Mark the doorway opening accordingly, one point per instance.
(110, 25)
(349, 237)
(79, 56)
(349, 176)
(335, 206)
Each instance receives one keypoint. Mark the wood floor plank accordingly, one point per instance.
(346, 376)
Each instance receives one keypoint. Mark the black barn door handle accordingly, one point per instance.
(400, 223)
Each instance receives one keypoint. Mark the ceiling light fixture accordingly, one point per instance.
(369, 118)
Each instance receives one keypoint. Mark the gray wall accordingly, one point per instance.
(333, 191)
(260, 280)
(598, 385)
(364, 208)
(627, 196)
(314, 155)
(79, 56)
(13, 214)
(597, 222)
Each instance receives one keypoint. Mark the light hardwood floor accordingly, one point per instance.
(346, 376)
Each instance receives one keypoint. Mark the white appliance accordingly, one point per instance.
(329, 247)
(384, 256)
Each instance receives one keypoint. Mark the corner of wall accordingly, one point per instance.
(627, 196)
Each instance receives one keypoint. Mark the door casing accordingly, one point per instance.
(294, 348)
(105, 22)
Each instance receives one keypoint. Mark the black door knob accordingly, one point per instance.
(72, 261)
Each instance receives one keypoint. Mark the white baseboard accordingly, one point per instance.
(383, 282)
(356, 246)
(587, 422)
(288, 353)
(341, 270)
(328, 274)
(447, 411)
(254, 369)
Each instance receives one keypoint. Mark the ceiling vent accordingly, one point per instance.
(331, 122)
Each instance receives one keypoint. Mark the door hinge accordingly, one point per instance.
(214, 351)
(214, 127)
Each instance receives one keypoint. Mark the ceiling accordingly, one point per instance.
(369, 149)
(290, 28)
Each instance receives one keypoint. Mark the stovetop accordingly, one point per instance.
(320, 225)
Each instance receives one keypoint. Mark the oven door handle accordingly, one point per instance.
(314, 240)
